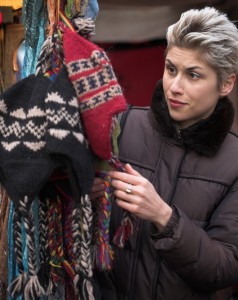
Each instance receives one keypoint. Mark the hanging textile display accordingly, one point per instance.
(34, 16)
(60, 125)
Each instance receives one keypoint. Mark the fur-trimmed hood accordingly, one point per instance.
(203, 137)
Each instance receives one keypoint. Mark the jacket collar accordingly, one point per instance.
(206, 136)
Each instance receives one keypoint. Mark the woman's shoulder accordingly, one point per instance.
(231, 139)
(135, 114)
(225, 162)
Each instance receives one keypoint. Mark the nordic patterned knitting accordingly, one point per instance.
(39, 133)
(25, 167)
(99, 95)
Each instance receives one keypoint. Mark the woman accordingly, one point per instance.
(182, 173)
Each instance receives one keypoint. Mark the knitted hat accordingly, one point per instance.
(25, 167)
(98, 92)
(40, 131)
(65, 139)
(24, 162)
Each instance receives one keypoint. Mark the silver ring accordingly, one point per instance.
(128, 189)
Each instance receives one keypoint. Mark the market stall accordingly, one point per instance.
(59, 58)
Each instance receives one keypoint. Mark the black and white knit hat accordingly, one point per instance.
(39, 132)
(25, 167)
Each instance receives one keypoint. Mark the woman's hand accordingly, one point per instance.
(137, 195)
(97, 189)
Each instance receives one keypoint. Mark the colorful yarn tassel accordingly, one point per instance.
(129, 222)
(102, 250)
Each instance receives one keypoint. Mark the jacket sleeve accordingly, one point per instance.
(206, 258)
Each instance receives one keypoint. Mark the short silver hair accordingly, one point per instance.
(213, 34)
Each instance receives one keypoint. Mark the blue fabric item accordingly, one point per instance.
(33, 42)
(92, 9)
(20, 60)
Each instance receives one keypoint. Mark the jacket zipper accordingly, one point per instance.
(179, 134)
(157, 273)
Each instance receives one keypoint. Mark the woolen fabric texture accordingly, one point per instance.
(65, 140)
(40, 131)
(99, 94)
(24, 162)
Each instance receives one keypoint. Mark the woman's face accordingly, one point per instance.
(190, 86)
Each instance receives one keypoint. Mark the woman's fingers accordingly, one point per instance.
(124, 182)
(132, 171)
(97, 188)
(131, 176)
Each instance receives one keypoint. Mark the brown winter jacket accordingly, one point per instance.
(196, 172)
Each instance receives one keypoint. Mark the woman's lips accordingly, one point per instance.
(176, 103)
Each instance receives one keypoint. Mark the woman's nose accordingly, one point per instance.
(177, 85)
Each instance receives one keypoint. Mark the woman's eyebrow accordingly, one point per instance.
(189, 68)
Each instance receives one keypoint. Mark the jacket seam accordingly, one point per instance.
(135, 163)
(135, 262)
(206, 178)
(158, 261)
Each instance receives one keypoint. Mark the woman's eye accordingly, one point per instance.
(194, 75)
(171, 70)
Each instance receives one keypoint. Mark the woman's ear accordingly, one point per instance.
(228, 85)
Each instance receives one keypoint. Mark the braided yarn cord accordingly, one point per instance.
(102, 250)
(26, 283)
(129, 222)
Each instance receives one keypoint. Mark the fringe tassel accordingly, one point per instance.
(86, 255)
(57, 272)
(124, 231)
(102, 250)
(27, 284)
(44, 271)
(59, 239)
(44, 60)
(17, 286)
(33, 288)
(129, 222)
(76, 233)
(83, 26)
